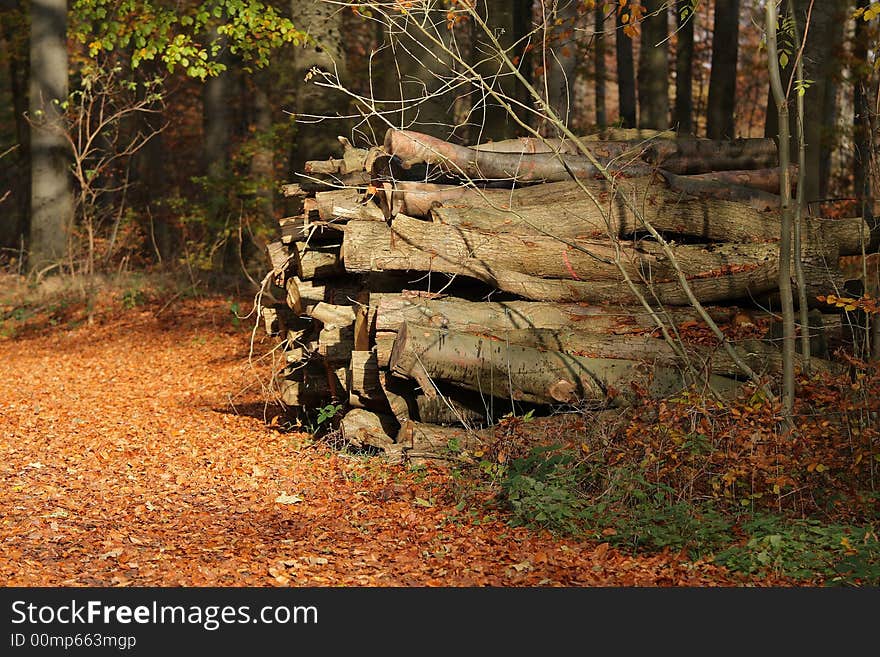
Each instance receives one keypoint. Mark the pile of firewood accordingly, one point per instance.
(428, 289)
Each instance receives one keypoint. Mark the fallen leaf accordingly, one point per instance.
(284, 498)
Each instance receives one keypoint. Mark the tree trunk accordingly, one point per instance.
(389, 311)
(626, 77)
(821, 67)
(413, 148)
(599, 67)
(529, 374)
(862, 142)
(539, 164)
(262, 164)
(416, 70)
(371, 246)
(654, 67)
(559, 59)
(563, 210)
(413, 244)
(722, 83)
(15, 44)
(683, 121)
(323, 23)
(493, 122)
(52, 203)
(363, 428)
(217, 95)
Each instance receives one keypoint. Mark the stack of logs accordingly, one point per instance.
(427, 289)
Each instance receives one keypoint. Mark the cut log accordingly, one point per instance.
(454, 406)
(303, 294)
(412, 148)
(384, 344)
(312, 385)
(759, 356)
(362, 428)
(522, 373)
(319, 262)
(681, 156)
(767, 180)
(422, 440)
(725, 191)
(413, 244)
(630, 134)
(345, 205)
(278, 319)
(564, 210)
(318, 182)
(687, 156)
(398, 392)
(280, 257)
(363, 377)
(293, 229)
(336, 343)
(333, 315)
(528, 145)
(389, 311)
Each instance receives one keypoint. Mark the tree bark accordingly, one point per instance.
(683, 120)
(722, 82)
(389, 311)
(861, 78)
(724, 191)
(767, 180)
(362, 428)
(217, 121)
(369, 247)
(262, 164)
(323, 23)
(16, 52)
(563, 210)
(52, 202)
(654, 67)
(411, 148)
(493, 122)
(599, 67)
(626, 77)
(413, 244)
(821, 67)
(559, 55)
(416, 72)
(528, 374)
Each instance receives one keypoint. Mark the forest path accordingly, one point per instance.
(125, 464)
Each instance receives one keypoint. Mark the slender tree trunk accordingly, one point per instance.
(654, 67)
(560, 57)
(684, 74)
(785, 287)
(599, 65)
(494, 121)
(52, 203)
(262, 165)
(722, 83)
(217, 123)
(15, 47)
(626, 77)
(830, 110)
(862, 116)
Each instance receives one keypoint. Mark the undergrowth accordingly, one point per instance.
(717, 482)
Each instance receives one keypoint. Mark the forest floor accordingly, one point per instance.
(137, 452)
